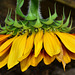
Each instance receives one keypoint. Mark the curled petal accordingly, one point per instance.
(66, 56)
(25, 63)
(68, 40)
(47, 59)
(35, 60)
(51, 44)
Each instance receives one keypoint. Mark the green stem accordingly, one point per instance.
(34, 7)
(33, 10)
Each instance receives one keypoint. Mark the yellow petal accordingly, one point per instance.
(4, 59)
(6, 44)
(25, 63)
(38, 42)
(35, 60)
(2, 37)
(29, 45)
(47, 59)
(17, 50)
(66, 57)
(68, 40)
(51, 44)
(24, 56)
(4, 51)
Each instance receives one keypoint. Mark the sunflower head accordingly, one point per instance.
(30, 40)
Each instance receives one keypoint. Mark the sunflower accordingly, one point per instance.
(30, 41)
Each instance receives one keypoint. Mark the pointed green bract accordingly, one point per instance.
(8, 19)
(3, 32)
(16, 24)
(24, 25)
(38, 24)
(67, 22)
(50, 20)
(54, 16)
(18, 8)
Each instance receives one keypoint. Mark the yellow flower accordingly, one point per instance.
(30, 49)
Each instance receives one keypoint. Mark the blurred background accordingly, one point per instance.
(55, 68)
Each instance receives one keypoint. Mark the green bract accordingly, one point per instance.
(33, 20)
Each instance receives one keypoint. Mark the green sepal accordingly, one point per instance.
(2, 27)
(59, 24)
(15, 31)
(18, 8)
(63, 14)
(3, 32)
(8, 19)
(9, 29)
(37, 23)
(54, 16)
(49, 21)
(67, 22)
(71, 24)
(66, 29)
(24, 25)
(59, 21)
(16, 24)
(70, 27)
